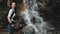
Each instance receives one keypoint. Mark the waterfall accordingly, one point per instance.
(31, 10)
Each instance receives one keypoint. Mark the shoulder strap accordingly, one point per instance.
(12, 13)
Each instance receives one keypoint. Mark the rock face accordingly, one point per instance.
(51, 13)
(27, 29)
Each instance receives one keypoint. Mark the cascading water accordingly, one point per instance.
(39, 26)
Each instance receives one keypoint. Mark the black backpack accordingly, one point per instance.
(4, 17)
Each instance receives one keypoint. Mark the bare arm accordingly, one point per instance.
(9, 15)
(9, 19)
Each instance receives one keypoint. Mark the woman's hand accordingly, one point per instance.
(12, 25)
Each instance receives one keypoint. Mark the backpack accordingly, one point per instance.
(4, 18)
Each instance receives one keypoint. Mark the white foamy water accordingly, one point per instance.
(39, 26)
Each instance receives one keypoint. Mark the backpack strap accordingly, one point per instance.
(12, 14)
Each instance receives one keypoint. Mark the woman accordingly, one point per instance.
(10, 18)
